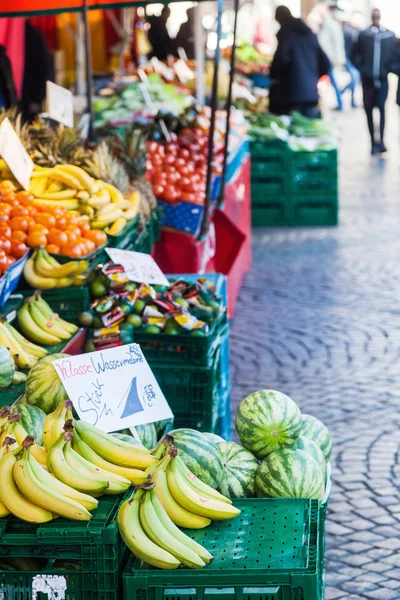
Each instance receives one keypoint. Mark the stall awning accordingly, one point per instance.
(15, 8)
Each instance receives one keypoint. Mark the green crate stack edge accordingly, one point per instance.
(199, 391)
(293, 188)
(272, 551)
(96, 545)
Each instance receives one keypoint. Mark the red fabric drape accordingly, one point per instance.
(48, 28)
(12, 36)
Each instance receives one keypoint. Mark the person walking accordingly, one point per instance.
(331, 38)
(351, 32)
(158, 36)
(374, 55)
(298, 64)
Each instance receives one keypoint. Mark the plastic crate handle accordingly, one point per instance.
(228, 593)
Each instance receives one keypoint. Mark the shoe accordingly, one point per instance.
(354, 105)
(375, 148)
(338, 109)
(382, 147)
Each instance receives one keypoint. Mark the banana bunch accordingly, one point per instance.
(13, 428)
(71, 187)
(39, 323)
(44, 272)
(149, 521)
(24, 352)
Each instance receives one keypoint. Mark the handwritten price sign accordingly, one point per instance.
(14, 154)
(113, 389)
(60, 104)
(139, 267)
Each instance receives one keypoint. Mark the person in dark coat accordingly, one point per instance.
(158, 35)
(373, 55)
(38, 68)
(8, 93)
(351, 32)
(185, 37)
(298, 64)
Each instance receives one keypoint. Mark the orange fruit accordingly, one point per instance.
(46, 219)
(97, 236)
(37, 227)
(72, 249)
(53, 249)
(19, 236)
(36, 239)
(19, 211)
(57, 237)
(20, 223)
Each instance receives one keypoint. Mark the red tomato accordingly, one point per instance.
(3, 264)
(158, 190)
(184, 153)
(188, 196)
(18, 249)
(170, 194)
(6, 245)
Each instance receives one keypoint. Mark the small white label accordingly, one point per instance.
(15, 155)
(114, 388)
(60, 104)
(54, 586)
(139, 267)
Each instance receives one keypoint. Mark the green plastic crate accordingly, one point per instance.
(269, 552)
(306, 165)
(177, 350)
(193, 393)
(94, 550)
(322, 211)
(267, 189)
(267, 149)
(67, 302)
(271, 214)
(315, 188)
(268, 157)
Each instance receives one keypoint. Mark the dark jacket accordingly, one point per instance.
(185, 37)
(374, 52)
(395, 68)
(158, 36)
(298, 64)
(350, 39)
(7, 86)
(38, 69)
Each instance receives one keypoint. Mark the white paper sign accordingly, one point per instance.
(139, 267)
(60, 104)
(15, 155)
(114, 388)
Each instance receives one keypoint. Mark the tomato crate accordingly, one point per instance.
(193, 393)
(77, 560)
(67, 302)
(269, 552)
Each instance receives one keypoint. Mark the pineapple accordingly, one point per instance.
(51, 147)
(131, 151)
(101, 164)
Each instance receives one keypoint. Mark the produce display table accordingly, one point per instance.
(227, 246)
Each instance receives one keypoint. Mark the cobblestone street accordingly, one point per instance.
(319, 319)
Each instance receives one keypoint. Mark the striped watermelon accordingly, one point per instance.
(267, 421)
(32, 419)
(213, 437)
(290, 474)
(7, 367)
(147, 435)
(200, 455)
(126, 438)
(43, 386)
(163, 427)
(314, 429)
(311, 448)
(240, 468)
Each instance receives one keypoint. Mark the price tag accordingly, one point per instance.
(113, 389)
(139, 267)
(15, 155)
(60, 104)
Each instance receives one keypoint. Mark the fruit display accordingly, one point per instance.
(43, 272)
(7, 367)
(313, 428)
(240, 467)
(43, 387)
(40, 324)
(25, 354)
(123, 309)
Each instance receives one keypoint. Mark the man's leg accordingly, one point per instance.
(382, 97)
(336, 88)
(368, 98)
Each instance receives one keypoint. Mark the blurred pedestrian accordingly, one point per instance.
(351, 32)
(158, 36)
(38, 69)
(297, 66)
(331, 38)
(185, 36)
(8, 93)
(374, 55)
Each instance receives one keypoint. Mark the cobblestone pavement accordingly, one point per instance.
(319, 319)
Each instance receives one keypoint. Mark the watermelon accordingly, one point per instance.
(163, 427)
(147, 435)
(43, 386)
(126, 438)
(7, 367)
(314, 429)
(267, 421)
(213, 437)
(289, 473)
(240, 468)
(200, 455)
(311, 448)
(32, 419)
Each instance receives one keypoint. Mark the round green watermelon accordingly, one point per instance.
(147, 434)
(240, 468)
(213, 437)
(163, 427)
(126, 438)
(43, 386)
(200, 455)
(290, 474)
(311, 448)
(313, 428)
(32, 419)
(7, 368)
(266, 421)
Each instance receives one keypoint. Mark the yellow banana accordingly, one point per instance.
(158, 534)
(135, 476)
(86, 182)
(87, 211)
(4, 512)
(196, 483)
(54, 422)
(12, 498)
(135, 199)
(54, 186)
(65, 282)
(41, 172)
(113, 449)
(177, 513)
(35, 351)
(44, 496)
(68, 204)
(52, 316)
(176, 532)
(38, 452)
(43, 268)
(60, 195)
(124, 204)
(115, 194)
(190, 498)
(21, 358)
(98, 202)
(70, 181)
(56, 485)
(131, 213)
(105, 210)
(118, 226)
(37, 281)
(51, 326)
(38, 185)
(58, 465)
(29, 327)
(105, 220)
(137, 541)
